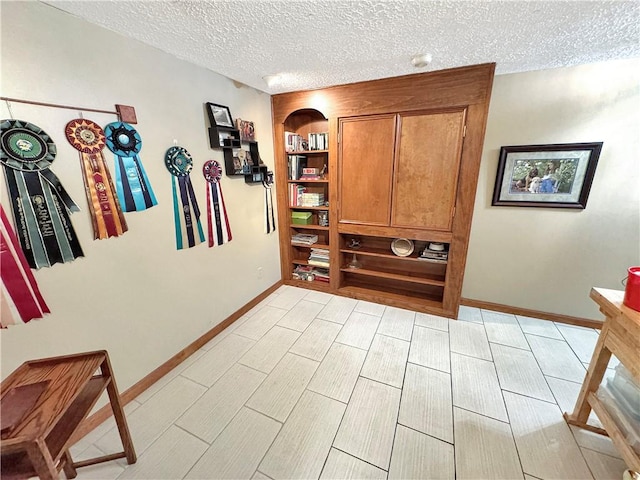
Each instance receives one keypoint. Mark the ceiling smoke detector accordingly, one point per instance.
(421, 60)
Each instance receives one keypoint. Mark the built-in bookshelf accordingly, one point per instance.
(305, 158)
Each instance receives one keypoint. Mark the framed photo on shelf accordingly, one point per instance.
(247, 130)
(553, 175)
(219, 115)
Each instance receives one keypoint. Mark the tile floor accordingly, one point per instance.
(309, 385)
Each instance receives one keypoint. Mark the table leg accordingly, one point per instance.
(41, 460)
(69, 469)
(597, 367)
(118, 412)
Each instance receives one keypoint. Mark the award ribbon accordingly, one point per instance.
(21, 299)
(39, 203)
(185, 206)
(132, 184)
(106, 215)
(270, 219)
(222, 233)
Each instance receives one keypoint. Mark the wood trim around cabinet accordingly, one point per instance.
(525, 312)
(136, 389)
(454, 87)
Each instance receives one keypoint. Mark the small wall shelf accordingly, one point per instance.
(228, 139)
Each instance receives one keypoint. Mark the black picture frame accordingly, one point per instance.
(219, 115)
(550, 176)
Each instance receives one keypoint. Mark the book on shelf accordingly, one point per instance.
(318, 263)
(295, 194)
(434, 256)
(318, 141)
(304, 239)
(319, 257)
(296, 166)
(310, 174)
(311, 199)
(294, 142)
(311, 273)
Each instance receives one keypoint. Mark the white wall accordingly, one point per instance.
(548, 259)
(136, 295)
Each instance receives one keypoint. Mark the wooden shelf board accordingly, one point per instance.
(76, 413)
(611, 426)
(308, 180)
(300, 262)
(292, 207)
(394, 232)
(416, 302)
(394, 276)
(379, 252)
(308, 152)
(314, 285)
(314, 245)
(308, 227)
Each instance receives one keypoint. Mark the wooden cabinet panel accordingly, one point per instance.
(426, 170)
(396, 168)
(366, 163)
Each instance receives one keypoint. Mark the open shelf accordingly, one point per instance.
(83, 403)
(402, 298)
(405, 277)
(308, 181)
(314, 285)
(383, 253)
(309, 152)
(308, 227)
(313, 245)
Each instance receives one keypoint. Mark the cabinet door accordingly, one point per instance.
(366, 169)
(426, 170)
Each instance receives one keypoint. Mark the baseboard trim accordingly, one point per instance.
(581, 322)
(125, 397)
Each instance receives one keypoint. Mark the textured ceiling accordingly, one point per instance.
(319, 43)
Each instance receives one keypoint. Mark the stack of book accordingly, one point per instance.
(319, 257)
(434, 256)
(309, 273)
(310, 199)
(304, 239)
(321, 275)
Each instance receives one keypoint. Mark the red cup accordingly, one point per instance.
(632, 290)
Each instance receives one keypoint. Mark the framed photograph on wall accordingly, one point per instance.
(247, 130)
(219, 115)
(555, 175)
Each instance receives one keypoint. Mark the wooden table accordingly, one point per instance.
(62, 391)
(620, 336)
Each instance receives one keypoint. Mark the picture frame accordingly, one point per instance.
(219, 115)
(247, 130)
(550, 176)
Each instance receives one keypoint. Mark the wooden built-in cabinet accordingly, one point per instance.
(400, 170)
(402, 162)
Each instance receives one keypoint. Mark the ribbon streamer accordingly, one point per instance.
(212, 172)
(132, 184)
(185, 207)
(106, 215)
(21, 300)
(270, 219)
(40, 205)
